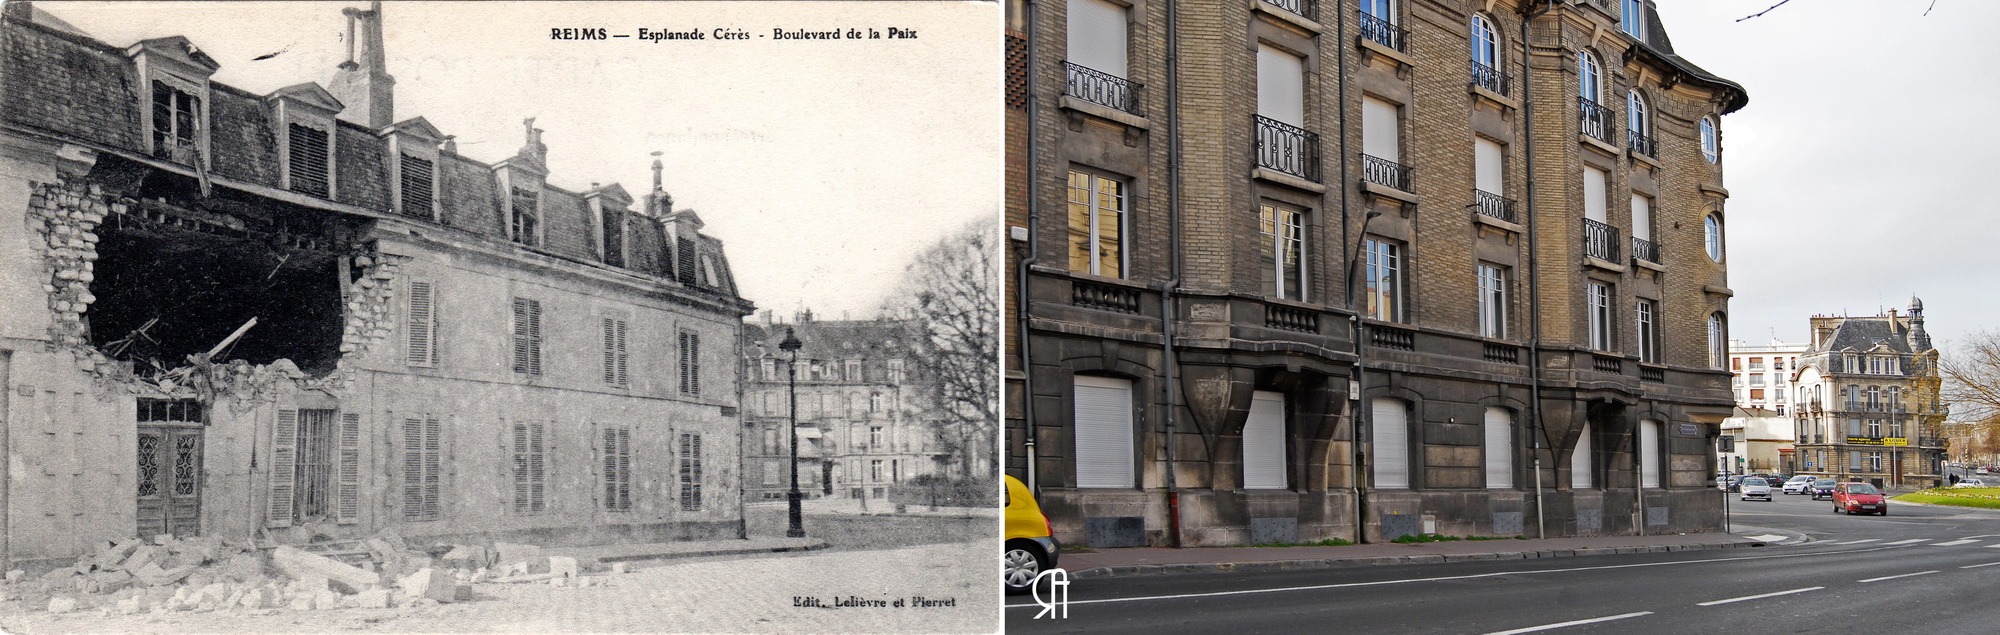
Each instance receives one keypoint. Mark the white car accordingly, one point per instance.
(1754, 487)
(1797, 485)
(1971, 482)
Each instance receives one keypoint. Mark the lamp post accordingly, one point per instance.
(1359, 416)
(791, 348)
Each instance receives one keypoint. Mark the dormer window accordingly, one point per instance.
(309, 161)
(525, 226)
(303, 115)
(413, 167)
(418, 183)
(173, 119)
(684, 258)
(613, 231)
(174, 129)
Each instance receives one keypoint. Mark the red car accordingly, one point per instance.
(1859, 498)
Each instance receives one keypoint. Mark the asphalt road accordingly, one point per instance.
(1920, 569)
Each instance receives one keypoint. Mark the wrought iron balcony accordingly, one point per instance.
(1594, 120)
(1384, 32)
(1649, 251)
(1600, 241)
(1493, 205)
(1101, 88)
(1490, 78)
(1307, 9)
(1641, 144)
(1385, 172)
(1287, 148)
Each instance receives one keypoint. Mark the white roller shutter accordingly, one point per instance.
(1499, 449)
(1104, 432)
(1281, 85)
(1264, 442)
(1642, 217)
(1097, 36)
(1487, 159)
(1593, 195)
(1380, 130)
(1580, 476)
(1390, 437)
(1649, 453)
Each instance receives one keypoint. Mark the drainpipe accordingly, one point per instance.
(1534, 280)
(1357, 416)
(1021, 275)
(6, 388)
(1167, 289)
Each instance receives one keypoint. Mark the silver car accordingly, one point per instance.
(1800, 484)
(1754, 487)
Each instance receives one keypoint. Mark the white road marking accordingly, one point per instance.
(1547, 627)
(1767, 537)
(1892, 577)
(1975, 566)
(1473, 576)
(1954, 542)
(1759, 597)
(1906, 542)
(1856, 542)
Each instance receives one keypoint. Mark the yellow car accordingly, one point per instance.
(1030, 544)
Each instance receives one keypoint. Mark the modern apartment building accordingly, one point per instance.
(1288, 270)
(1761, 377)
(1867, 408)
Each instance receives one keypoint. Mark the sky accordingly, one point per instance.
(823, 166)
(1858, 172)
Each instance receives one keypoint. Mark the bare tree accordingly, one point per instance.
(951, 292)
(1971, 377)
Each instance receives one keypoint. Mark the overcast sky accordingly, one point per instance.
(823, 166)
(1864, 169)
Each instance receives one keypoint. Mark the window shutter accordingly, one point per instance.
(1580, 464)
(624, 468)
(694, 365)
(520, 336)
(416, 182)
(1649, 453)
(422, 350)
(1281, 86)
(1381, 130)
(623, 378)
(1488, 158)
(607, 463)
(610, 352)
(521, 468)
(1097, 36)
(284, 465)
(1593, 195)
(1642, 217)
(1264, 442)
(534, 337)
(347, 507)
(1854, 460)
(433, 469)
(537, 468)
(413, 469)
(1390, 434)
(1499, 426)
(1103, 415)
(309, 160)
(684, 261)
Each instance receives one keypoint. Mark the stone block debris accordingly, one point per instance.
(299, 563)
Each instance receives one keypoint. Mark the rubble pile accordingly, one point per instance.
(212, 574)
(64, 217)
(369, 299)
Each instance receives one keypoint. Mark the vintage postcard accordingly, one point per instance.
(499, 317)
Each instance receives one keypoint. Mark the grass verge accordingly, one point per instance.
(1407, 539)
(1330, 542)
(1981, 497)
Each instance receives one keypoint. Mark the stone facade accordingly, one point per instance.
(195, 341)
(1868, 408)
(1192, 330)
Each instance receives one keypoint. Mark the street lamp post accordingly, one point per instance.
(791, 348)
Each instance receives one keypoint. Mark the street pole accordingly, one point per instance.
(791, 347)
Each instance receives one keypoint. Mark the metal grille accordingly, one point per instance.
(149, 465)
(1640, 143)
(1600, 241)
(1383, 32)
(1493, 205)
(1490, 78)
(1304, 8)
(1646, 250)
(171, 410)
(308, 160)
(1385, 172)
(1594, 120)
(1101, 88)
(187, 464)
(1287, 148)
(314, 475)
(418, 177)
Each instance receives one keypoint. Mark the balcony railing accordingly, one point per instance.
(1503, 353)
(1307, 9)
(1493, 205)
(1291, 319)
(1649, 251)
(1594, 120)
(1385, 172)
(1640, 143)
(1607, 364)
(1653, 374)
(1101, 88)
(1384, 32)
(1106, 297)
(1490, 78)
(1287, 148)
(1390, 337)
(1600, 241)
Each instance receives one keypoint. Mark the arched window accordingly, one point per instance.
(1590, 78)
(1485, 43)
(1638, 123)
(1718, 340)
(1712, 236)
(1711, 144)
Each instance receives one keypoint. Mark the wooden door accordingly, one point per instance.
(169, 479)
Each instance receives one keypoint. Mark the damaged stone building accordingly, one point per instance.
(288, 315)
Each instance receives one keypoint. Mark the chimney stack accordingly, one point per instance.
(363, 82)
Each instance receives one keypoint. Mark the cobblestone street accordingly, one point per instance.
(732, 595)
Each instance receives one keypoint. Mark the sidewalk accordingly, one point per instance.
(588, 556)
(1156, 560)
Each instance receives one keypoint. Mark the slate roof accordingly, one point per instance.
(833, 339)
(1863, 334)
(1658, 46)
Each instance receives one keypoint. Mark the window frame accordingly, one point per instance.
(530, 232)
(1383, 280)
(1494, 305)
(1094, 219)
(423, 442)
(1638, 113)
(1711, 140)
(1385, 10)
(1589, 74)
(1272, 250)
(1712, 236)
(1484, 38)
(1600, 299)
(1632, 19)
(1647, 312)
(1718, 339)
(530, 468)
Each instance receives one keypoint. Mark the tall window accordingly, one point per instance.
(617, 455)
(1096, 225)
(418, 177)
(1097, 36)
(530, 468)
(1633, 19)
(1499, 428)
(1649, 331)
(1281, 85)
(422, 468)
(1642, 222)
(1711, 144)
(1599, 296)
(1381, 133)
(1637, 121)
(527, 336)
(1485, 43)
(1281, 252)
(1492, 300)
(1384, 10)
(690, 363)
(526, 217)
(684, 259)
(1382, 283)
(614, 351)
(1711, 233)
(1579, 461)
(1589, 77)
(612, 228)
(1718, 340)
(174, 116)
(421, 325)
(690, 469)
(875, 438)
(315, 464)
(308, 159)
(1104, 445)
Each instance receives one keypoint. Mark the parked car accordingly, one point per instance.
(1754, 487)
(1859, 498)
(1797, 485)
(1029, 546)
(1727, 482)
(1822, 487)
(1972, 482)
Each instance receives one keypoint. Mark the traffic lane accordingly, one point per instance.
(1469, 601)
(1955, 599)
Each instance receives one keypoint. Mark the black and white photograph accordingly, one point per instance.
(500, 317)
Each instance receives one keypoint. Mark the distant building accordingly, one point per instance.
(1866, 400)
(289, 316)
(1761, 377)
(863, 424)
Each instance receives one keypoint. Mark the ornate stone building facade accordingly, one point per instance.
(1285, 271)
(1867, 393)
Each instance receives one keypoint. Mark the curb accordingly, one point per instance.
(708, 552)
(1381, 561)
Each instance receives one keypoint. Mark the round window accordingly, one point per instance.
(1712, 236)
